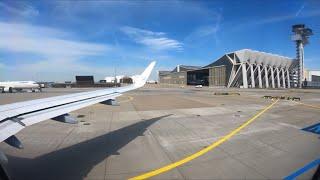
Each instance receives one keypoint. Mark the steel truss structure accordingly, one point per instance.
(254, 69)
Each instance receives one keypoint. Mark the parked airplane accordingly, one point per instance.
(10, 86)
(17, 116)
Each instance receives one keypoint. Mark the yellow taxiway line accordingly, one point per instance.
(203, 151)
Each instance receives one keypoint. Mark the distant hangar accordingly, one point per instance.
(244, 68)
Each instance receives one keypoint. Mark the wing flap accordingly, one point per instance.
(9, 128)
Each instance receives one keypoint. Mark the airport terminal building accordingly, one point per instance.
(243, 69)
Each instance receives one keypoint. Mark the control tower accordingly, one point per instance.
(300, 36)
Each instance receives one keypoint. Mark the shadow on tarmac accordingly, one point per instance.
(76, 161)
(316, 176)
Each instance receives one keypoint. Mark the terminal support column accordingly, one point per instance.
(253, 84)
(288, 78)
(266, 76)
(278, 78)
(244, 75)
(283, 78)
(272, 77)
(259, 76)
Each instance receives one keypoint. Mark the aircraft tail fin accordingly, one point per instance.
(140, 80)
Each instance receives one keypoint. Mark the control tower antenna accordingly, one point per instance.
(300, 36)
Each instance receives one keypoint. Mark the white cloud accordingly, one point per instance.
(139, 32)
(205, 32)
(300, 9)
(281, 18)
(153, 40)
(19, 8)
(276, 19)
(161, 43)
(43, 41)
(18, 29)
(2, 66)
(60, 70)
(54, 56)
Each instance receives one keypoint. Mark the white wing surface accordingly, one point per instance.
(14, 117)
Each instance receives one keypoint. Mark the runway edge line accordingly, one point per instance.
(203, 151)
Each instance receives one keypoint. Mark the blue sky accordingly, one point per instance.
(55, 40)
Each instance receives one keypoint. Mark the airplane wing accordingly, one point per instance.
(17, 116)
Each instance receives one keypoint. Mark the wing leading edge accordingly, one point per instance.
(14, 117)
